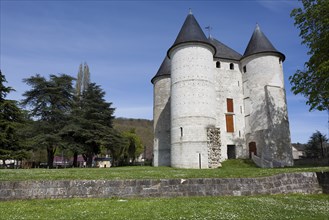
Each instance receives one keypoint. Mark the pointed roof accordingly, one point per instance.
(190, 32)
(223, 51)
(164, 69)
(259, 43)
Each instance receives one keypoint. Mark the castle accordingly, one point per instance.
(212, 103)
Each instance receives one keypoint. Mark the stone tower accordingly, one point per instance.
(266, 117)
(212, 103)
(192, 96)
(161, 114)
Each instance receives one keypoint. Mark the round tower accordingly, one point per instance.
(267, 125)
(192, 96)
(161, 114)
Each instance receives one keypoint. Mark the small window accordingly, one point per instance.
(229, 103)
(181, 131)
(244, 69)
(231, 66)
(217, 64)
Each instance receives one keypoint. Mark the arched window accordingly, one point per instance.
(217, 64)
(231, 66)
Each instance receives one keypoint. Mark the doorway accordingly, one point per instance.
(231, 152)
(252, 149)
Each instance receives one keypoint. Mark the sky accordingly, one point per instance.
(124, 43)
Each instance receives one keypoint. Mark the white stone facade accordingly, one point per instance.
(208, 109)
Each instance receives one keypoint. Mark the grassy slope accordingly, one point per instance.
(249, 207)
(230, 169)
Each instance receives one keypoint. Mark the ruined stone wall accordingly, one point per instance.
(278, 184)
(214, 147)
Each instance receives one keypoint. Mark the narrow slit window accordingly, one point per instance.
(217, 64)
(181, 131)
(244, 69)
(231, 66)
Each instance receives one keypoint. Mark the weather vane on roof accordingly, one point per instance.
(208, 28)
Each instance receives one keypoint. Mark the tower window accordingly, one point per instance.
(244, 69)
(231, 66)
(229, 123)
(217, 64)
(181, 131)
(229, 103)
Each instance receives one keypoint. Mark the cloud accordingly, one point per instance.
(277, 5)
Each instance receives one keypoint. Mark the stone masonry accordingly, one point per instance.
(279, 184)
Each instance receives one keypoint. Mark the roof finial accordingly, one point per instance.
(209, 28)
(190, 11)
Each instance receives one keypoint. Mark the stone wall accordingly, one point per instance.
(278, 184)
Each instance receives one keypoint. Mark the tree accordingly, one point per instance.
(313, 81)
(134, 146)
(91, 122)
(83, 80)
(50, 103)
(11, 120)
(316, 146)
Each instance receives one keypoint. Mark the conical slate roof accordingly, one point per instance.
(163, 70)
(190, 32)
(259, 43)
(223, 51)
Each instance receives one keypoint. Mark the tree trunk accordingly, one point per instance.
(322, 151)
(89, 159)
(4, 163)
(50, 157)
(75, 159)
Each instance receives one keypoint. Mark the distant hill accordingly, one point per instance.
(143, 128)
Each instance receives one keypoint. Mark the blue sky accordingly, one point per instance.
(124, 43)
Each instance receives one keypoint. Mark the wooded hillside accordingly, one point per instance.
(143, 128)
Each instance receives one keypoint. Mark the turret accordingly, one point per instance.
(266, 116)
(192, 96)
(161, 114)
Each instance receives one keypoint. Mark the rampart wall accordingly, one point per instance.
(307, 182)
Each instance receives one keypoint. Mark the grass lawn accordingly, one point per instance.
(230, 169)
(280, 207)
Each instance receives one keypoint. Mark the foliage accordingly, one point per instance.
(134, 146)
(50, 103)
(90, 123)
(313, 81)
(292, 206)
(83, 80)
(143, 128)
(317, 145)
(11, 120)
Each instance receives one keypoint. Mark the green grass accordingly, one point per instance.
(293, 206)
(230, 169)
